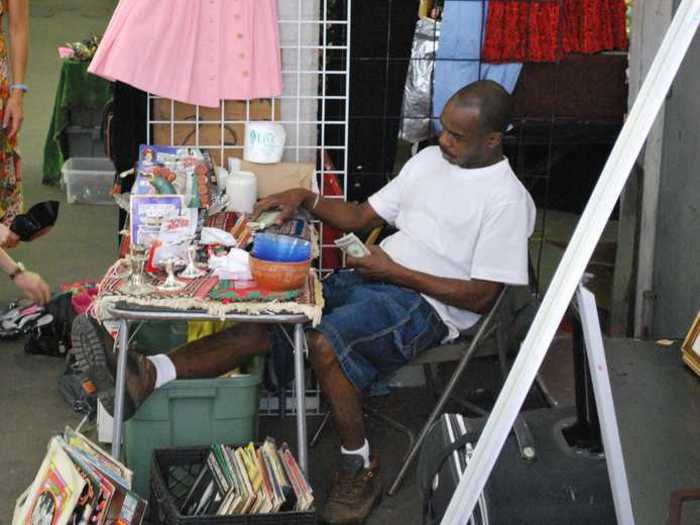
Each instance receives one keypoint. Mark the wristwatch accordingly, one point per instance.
(19, 268)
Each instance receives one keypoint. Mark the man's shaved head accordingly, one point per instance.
(492, 101)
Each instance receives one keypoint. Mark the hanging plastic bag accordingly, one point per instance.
(417, 98)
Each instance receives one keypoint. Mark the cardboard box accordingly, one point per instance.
(274, 178)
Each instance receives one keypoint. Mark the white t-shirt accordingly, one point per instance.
(457, 223)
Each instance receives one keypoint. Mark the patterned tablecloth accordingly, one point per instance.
(207, 293)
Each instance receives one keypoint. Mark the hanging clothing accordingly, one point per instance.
(195, 52)
(459, 54)
(547, 31)
(11, 202)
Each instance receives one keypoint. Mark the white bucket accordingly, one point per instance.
(264, 142)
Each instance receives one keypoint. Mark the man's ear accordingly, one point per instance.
(494, 139)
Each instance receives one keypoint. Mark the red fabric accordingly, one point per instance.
(548, 30)
(331, 187)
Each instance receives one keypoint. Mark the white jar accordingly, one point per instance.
(241, 191)
(264, 142)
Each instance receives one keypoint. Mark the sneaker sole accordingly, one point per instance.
(90, 358)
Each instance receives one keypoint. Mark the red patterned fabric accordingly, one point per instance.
(548, 30)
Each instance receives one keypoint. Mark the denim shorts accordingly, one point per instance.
(375, 328)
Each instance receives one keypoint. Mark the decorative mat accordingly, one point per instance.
(235, 292)
(196, 296)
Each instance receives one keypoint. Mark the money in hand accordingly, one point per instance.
(351, 245)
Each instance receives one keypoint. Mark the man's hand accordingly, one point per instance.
(14, 113)
(8, 239)
(288, 202)
(33, 287)
(378, 266)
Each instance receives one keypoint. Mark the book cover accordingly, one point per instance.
(280, 476)
(54, 493)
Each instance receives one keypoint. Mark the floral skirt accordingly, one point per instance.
(11, 202)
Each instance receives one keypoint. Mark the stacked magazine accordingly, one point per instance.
(249, 480)
(79, 483)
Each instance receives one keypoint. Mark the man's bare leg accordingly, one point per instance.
(355, 491)
(339, 391)
(216, 354)
(207, 357)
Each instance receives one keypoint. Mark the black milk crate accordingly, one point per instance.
(173, 471)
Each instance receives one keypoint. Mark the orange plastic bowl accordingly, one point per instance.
(279, 276)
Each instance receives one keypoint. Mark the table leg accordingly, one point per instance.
(300, 397)
(123, 340)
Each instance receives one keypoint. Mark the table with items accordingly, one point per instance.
(188, 255)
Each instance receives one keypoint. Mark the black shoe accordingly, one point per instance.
(354, 492)
(95, 356)
(88, 340)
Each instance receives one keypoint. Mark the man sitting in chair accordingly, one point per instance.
(463, 220)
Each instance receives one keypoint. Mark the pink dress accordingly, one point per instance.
(194, 51)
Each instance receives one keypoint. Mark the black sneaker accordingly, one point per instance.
(95, 356)
(88, 340)
(355, 491)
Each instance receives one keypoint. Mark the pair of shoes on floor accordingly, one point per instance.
(21, 318)
(354, 492)
(96, 357)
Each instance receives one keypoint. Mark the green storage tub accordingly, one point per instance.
(158, 337)
(192, 412)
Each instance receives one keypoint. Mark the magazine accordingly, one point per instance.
(54, 493)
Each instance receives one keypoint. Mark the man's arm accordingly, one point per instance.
(475, 295)
(345, 216)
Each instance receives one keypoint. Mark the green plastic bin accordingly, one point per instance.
(157, 337)
(192, 412)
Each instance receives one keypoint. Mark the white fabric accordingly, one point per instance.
(457, 223)
(234, 265)
(165, 369)
(362, 451)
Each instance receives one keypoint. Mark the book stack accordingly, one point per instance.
(79, 483)
(248, 480)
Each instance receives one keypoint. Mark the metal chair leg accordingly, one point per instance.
(320, 429)
(446, 394)
(546, 393)
(395, 425)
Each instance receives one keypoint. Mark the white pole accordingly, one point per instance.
(605, 405)
(570, 270)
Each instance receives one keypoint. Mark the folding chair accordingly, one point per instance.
(498, 321)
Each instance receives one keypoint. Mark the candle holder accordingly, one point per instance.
(191, 271)
(171, 283)
(137, 284)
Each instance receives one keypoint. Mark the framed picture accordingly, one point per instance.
(147, 214)
(691, 346)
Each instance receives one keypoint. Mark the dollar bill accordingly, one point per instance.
(351, 245)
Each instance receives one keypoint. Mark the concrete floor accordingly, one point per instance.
(656, 398)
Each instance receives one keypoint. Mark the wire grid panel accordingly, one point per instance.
(313, 108)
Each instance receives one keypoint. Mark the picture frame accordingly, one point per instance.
(691, 346)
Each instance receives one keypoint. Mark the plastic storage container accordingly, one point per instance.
(172, 474)
(192, 412)
(88, 180)
(84, 141)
